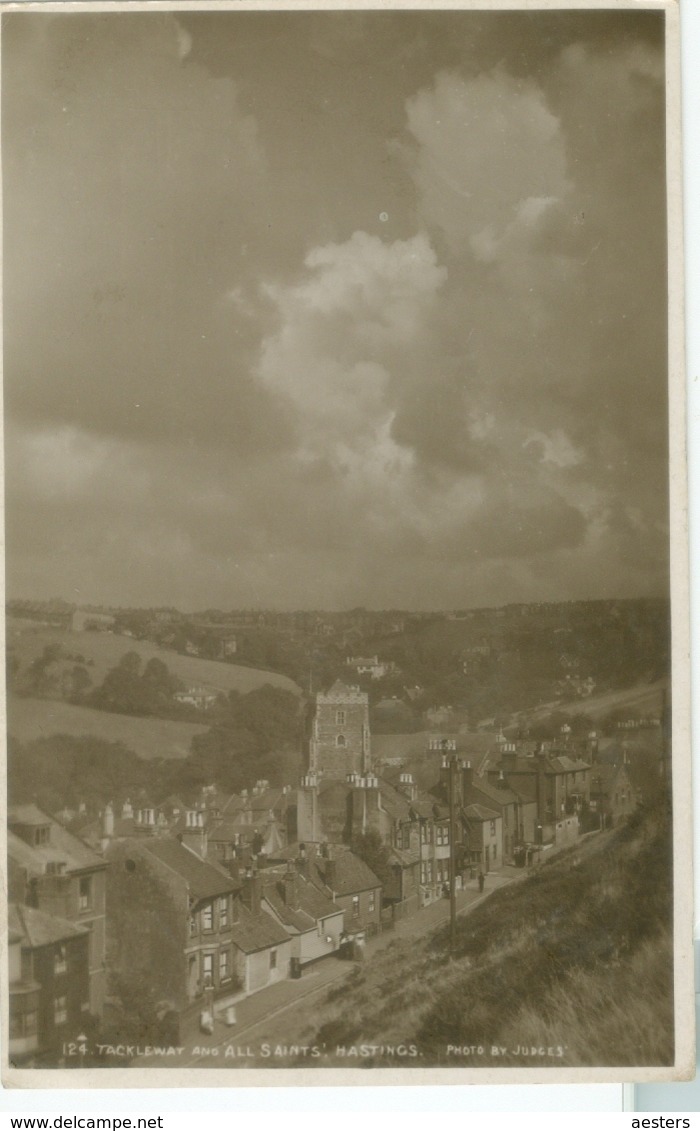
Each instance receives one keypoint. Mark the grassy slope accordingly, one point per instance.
(28, 641)
(643, 698)
(150, 738)
(557, 961)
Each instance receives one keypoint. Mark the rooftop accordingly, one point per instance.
(256, 932)
(312, 904)
(62, 846)
(351, 873)
(39, 929)
(204, 880)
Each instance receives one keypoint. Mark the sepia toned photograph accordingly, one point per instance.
(345, 572)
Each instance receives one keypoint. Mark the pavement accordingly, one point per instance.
(239, 1042)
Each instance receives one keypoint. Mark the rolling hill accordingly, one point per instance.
(105, 649)
(149, 738)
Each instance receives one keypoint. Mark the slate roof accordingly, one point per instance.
(480, 813)
(351, 873)
(27, 815)
(256, 932)
(494, 792)
(62, 846)
(312, 904)
(204, 880)
(39, 929)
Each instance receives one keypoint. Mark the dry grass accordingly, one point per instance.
(578, 956)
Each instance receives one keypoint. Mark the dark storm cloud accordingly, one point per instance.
(335, 308)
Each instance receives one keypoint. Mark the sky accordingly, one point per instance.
(328, 309)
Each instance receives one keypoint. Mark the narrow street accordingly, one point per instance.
(294, 999)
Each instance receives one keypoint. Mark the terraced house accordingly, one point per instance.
(171, 919)
(57, 873)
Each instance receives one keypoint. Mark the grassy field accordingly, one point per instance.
(27, 640)
(149, 738)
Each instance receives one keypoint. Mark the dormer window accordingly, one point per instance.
(42, 834)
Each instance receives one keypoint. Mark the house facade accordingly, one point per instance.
(352, 886)
(313, 922)
(57, 873)
(171, 917)
(49, 984)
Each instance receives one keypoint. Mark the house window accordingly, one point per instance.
(340, 740)
(208, 918)
(370, 902)
(340, 718)
(60, 1010)
(426, 871)
(224, 966)
(60, 961)
(41, 835)
(356, 907)
(442, 834)
(493, 828)
(273, 959)
(23, 1024)
(208, 969)
(223, 911)
(425, 833)
(493, 851)
(85, 894)
(193, 924)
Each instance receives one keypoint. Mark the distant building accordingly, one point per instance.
(201, 698)
(372, 666)
(86, 621)
(340, 739)
(613, 796)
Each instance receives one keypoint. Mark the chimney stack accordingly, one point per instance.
(291, 891)
(331, 871)
(251, 892)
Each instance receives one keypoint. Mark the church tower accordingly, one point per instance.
(340, 743)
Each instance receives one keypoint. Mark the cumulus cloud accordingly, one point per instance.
(488, 157)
